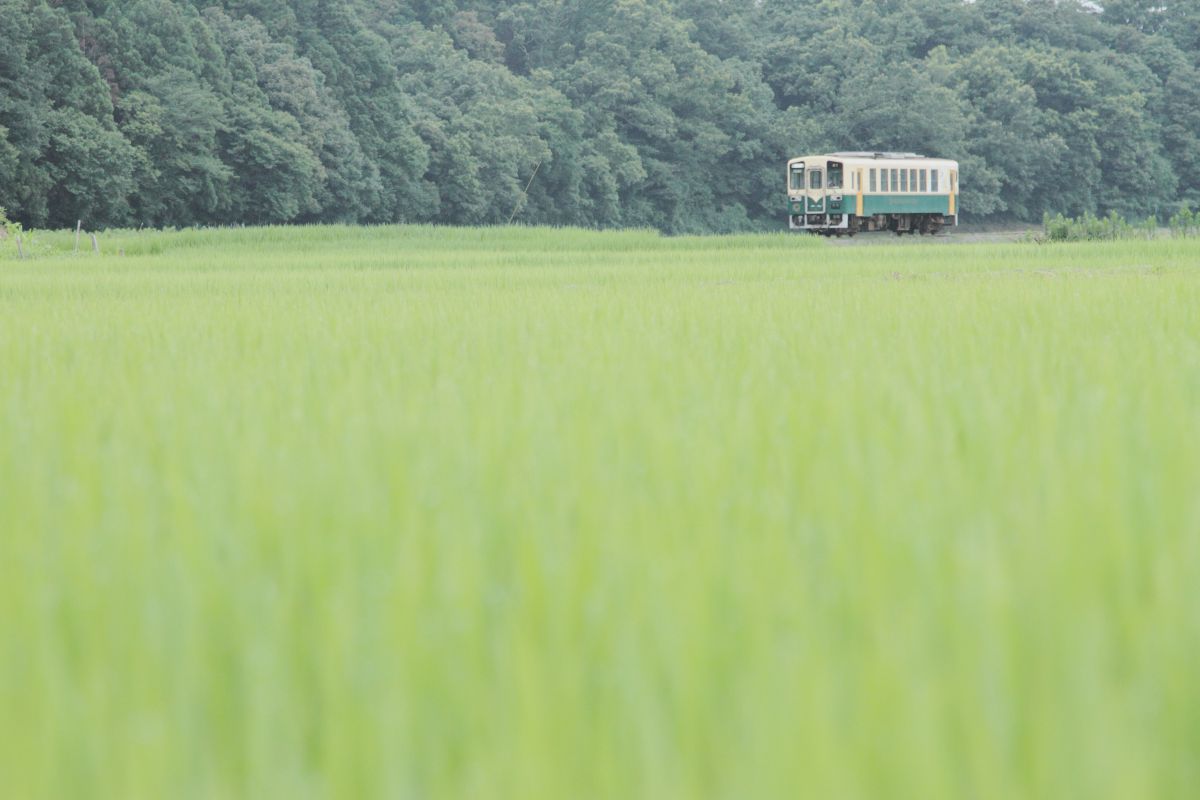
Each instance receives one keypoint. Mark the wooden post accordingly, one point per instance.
(20, 250)
(78, 229)
(95, 245)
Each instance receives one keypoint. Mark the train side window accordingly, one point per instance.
(912, 179)
(895, 180)
(834, 175)
(923, 184)
(874, 184)
(904, 180)
(933, 180)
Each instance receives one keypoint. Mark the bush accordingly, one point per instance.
(17, 241)
(1091, 228)
(9, 231)
(1186, 223)
(8, 228)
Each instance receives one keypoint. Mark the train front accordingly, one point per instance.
(814, 194)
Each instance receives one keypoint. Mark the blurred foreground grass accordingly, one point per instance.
(432, 513)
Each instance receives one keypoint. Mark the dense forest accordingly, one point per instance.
(673, 114)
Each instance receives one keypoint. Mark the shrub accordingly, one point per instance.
(1185, 223)
(1092, 228)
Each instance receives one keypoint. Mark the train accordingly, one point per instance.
(841, 194)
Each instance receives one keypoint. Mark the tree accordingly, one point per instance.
(674, 114)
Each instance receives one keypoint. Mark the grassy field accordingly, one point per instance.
(422, 513)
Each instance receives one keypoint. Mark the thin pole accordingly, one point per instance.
(78, 229)
(524, 194)
(95, 245)
(20, 250)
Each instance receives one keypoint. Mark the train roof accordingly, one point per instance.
(868, 155)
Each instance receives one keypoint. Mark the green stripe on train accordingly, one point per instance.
(885, 204)
(905, 204)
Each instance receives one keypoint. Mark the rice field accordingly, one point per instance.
(523, 513)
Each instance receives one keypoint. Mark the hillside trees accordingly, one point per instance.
(165, 70)
(63, 156)
(691, 140)
(348, 44)
(672, 114)
(288, 146)
(1014, 155)
(23, 132)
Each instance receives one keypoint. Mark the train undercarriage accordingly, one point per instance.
(850, 224)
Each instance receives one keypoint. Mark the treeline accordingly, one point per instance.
(673, 114)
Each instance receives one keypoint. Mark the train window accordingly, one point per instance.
(835, 175)
(912, 179)
(904, 180)
(923, 184)
(933, 180)
(874, 183)
(895, 180)
(814, 179)
(797, 182)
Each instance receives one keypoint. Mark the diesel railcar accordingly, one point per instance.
(844, 193)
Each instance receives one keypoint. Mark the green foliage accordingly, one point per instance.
(1087, 227)
(672, 114)
(18, 242)
(1185, 223)
(8, 228)
(9, 233)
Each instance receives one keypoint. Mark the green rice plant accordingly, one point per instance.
(416, 512)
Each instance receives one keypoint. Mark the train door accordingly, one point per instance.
(953, 193)
(816, 190)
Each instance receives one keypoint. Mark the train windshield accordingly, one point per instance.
(797, 177)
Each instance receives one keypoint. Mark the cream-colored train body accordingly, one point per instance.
(844, 193)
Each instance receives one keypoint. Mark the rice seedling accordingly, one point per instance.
(434, 513)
